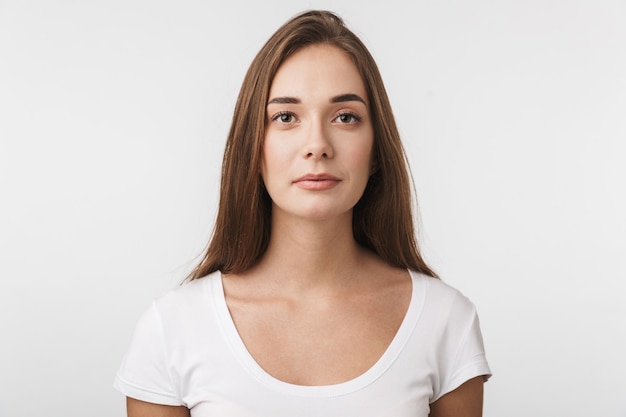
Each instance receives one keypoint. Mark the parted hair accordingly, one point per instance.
(383, 217)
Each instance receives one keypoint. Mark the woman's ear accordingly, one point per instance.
(374, 167)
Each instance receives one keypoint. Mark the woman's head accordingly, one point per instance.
(382, 219)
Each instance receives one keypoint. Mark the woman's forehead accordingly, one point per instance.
(317, 70)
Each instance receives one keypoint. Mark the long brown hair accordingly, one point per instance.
(382, 219)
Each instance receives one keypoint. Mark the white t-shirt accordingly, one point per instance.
(186, 351)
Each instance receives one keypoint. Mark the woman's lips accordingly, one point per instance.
(317, 182)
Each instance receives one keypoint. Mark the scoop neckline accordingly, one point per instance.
(245, 358)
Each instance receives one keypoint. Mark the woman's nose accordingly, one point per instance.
(318, 145)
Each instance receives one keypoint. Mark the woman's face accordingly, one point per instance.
(317, 152)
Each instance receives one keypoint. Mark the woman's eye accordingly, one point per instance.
(348, 118)
(284, 117)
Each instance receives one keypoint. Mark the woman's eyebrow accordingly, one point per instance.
(337, 99)
(347, 97)
(285, 100)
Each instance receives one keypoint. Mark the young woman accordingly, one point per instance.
(312, 298)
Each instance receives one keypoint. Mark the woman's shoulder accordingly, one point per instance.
(441, 295)
(190, 295)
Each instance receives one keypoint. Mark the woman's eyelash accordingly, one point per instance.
(355, 117)
(344, 117)
(282, 114)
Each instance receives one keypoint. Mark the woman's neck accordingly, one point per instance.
(305, 254)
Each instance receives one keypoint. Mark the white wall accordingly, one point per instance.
(113, 116)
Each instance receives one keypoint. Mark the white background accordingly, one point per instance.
(113, 116)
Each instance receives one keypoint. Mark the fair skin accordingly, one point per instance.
(314, 310)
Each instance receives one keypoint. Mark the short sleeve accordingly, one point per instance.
(144, 373)
(464, 353)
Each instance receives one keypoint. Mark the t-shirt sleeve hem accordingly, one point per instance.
(472, 370)
(143, 394)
